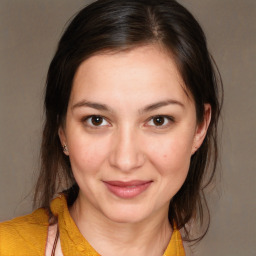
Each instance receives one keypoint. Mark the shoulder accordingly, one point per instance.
(24, 235)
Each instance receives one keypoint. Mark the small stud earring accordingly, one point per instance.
(65, 149)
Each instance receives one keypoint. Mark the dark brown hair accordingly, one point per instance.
(116, 25)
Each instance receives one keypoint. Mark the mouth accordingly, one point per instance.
(128, 189)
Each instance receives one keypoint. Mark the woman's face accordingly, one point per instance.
(130, 131)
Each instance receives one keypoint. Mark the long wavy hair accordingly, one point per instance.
(117, 25)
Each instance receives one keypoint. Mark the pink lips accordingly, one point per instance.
(128, 189)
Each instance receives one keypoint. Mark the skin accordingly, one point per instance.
(128, 145)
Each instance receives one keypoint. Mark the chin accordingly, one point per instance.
(127, 214)
(125, 219)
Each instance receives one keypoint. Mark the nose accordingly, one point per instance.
(126, 154)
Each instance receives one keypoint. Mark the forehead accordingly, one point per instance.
(147, 69)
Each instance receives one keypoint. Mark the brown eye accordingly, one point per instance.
(96, 120)
(158, 120)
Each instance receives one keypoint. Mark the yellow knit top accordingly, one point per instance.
(27, 235)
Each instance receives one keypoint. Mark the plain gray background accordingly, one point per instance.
(29, 32)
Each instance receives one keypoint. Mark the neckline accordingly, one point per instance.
(70, 232)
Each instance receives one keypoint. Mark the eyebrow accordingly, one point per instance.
(160, 104)
(90, 104)
(148, 108)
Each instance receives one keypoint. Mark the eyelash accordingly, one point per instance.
(169, 120)
(86, 120)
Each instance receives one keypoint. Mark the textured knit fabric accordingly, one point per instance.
(27, 235)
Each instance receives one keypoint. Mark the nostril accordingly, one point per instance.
(126, 153)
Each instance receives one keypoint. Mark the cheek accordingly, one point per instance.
(171, 156)
(87, 154)
(172, 163)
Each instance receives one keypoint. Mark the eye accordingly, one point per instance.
(95, 121)
(160, 121)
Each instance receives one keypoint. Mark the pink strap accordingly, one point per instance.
(53, 247)
(55, 242)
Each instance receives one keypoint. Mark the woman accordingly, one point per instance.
(131, 113)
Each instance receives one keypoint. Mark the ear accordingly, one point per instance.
(63, 140)
(201, 129)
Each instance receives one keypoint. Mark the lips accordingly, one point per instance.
(128, 189)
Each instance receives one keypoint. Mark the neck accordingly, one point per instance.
(148, 237)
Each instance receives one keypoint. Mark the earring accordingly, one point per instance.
(65, 149)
